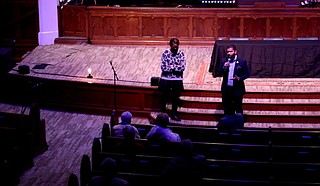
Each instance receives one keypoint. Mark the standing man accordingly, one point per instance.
(234, 71)
(173, 63)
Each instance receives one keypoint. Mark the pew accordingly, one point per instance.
(227, 151)
(210, 150)
(293, 154)
(241, 157)
(238, 170)
(28, 124)
(296, 172)
(207, 134)
(295, 137)
(222, 171)
(22, 137)
(12, 159)
(16, 142)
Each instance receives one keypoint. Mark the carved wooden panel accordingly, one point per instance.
(255, 27)
(74, 21)
(128, 26)
(285, 30)
(229, 27)
(99, 26)
(308, 27)
(203, 27)
(152, 26)
(178, 27)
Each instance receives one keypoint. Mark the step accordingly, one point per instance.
(213, 123)
(257, 93)
(249, 112)
(252, 100)
(254, 103)
(255, 116)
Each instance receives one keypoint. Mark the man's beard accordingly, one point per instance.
(232, 56)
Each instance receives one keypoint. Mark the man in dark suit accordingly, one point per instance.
(234, 71)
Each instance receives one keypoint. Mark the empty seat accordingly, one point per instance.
(238, 170)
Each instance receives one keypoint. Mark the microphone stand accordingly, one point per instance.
(115, 78)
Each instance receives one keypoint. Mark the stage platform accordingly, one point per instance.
(135, 65)
(283, 99)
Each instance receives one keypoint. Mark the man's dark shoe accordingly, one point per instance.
(176, 118)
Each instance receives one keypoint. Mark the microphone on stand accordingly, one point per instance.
(114, 71)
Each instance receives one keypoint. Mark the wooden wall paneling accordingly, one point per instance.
(190, 27)
(128, 26)
(152, 27)
(178, 27)
(140, 27)
(204, 27)
(294, 28)
(228, 27)
(242, 27)
(255, 27)
(74, 21)
(165, 27)
(281, 27)
(268, 27)
(308, 27)
(151, 100)
(216, 28)
(100, 99)
(96, 28)
(129, 100)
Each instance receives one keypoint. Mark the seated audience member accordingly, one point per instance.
(73, 180)
(129, 146)
(125, 120)
(187, 167)
(160, 132)
(108, 178)
(231, 122)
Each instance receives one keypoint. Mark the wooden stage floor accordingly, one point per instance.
(135, 65)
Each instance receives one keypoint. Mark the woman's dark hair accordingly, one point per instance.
(174, 41)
